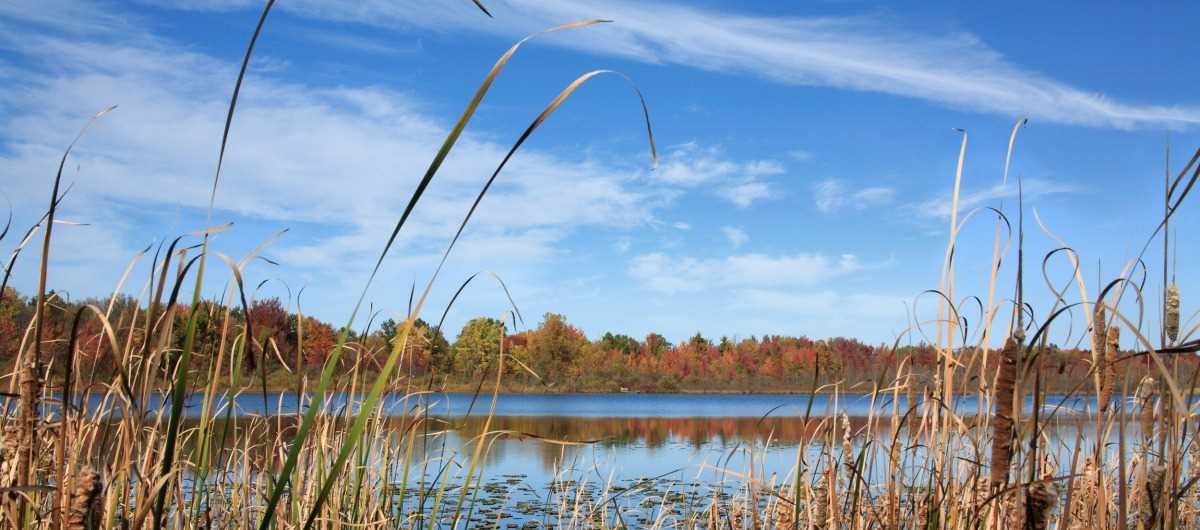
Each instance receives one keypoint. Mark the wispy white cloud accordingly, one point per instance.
(865, 53)
(826, 304)
(342, 159)
(736, 235)
(1033, 189)
(833, 194)
(358, 43)
(622, 245)
(680, 225)
(800, 155)
(739, 182)
(744, 194)
(672, 274)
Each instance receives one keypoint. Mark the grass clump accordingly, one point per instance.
(82, 451)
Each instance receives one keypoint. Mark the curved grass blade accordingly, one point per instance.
(12, 258)
(434, 166)
(360, 420)
(190, 337)
(479, 4)
(29, 397)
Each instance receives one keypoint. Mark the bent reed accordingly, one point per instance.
(126, 464)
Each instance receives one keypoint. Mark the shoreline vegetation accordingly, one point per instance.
(554, 357)
(920, 467)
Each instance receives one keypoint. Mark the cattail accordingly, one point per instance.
(1194, 474)
(820, 517)
(1085, 500)
(1109, 345)
(1147, 396)
(737, 513)
(83, 513)
(9, 451)
(714, 515)
(1149, 495)
(1099, 331)
(784, 515)
(1002, 425)
(1112, 347)
(847, 446)
(1040, 501)
(1171, 313)
(30, 403)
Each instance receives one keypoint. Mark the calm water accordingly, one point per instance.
(628, 436)
(652, 444)
(603, 405)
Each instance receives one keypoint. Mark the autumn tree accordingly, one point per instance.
(269, 322)
(553, 346)
(15, 313)
(426, 348)
(478, 346)
(319, 340)
(622, 343)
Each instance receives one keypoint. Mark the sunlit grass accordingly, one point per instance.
(124, 464)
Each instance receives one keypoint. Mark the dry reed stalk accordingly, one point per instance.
(713, 514)
(1085, 508)
(1193, 477)
(737, 514)
(1002, 426)
(10, 448)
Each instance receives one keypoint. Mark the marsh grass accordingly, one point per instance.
(122, 464)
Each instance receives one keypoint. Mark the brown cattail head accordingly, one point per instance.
(1086, 509)
(1147, 397)
(785, 517)
(1040, 501)
(847, 445)
(1108, 365)
(1002, 425)
(1171, 313)
(714, 514)
(1149, 496)
(1099, 331)
(821, 496)
(83, 512)
(10, 447)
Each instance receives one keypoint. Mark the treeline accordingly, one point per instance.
(553, 356)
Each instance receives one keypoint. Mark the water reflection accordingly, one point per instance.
(631, 436)
(751, 406)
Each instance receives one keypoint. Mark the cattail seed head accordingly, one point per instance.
(1149, 495)
(1171, 313)
(1099, 333)
(85, 500)
(1147, 397)
(1041, 498)
(847, 445)
(1002, 425)
(1108, 364)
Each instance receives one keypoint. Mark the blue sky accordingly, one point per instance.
(807, 152)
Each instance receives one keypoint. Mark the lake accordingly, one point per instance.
(627, 435)
(643, 447)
